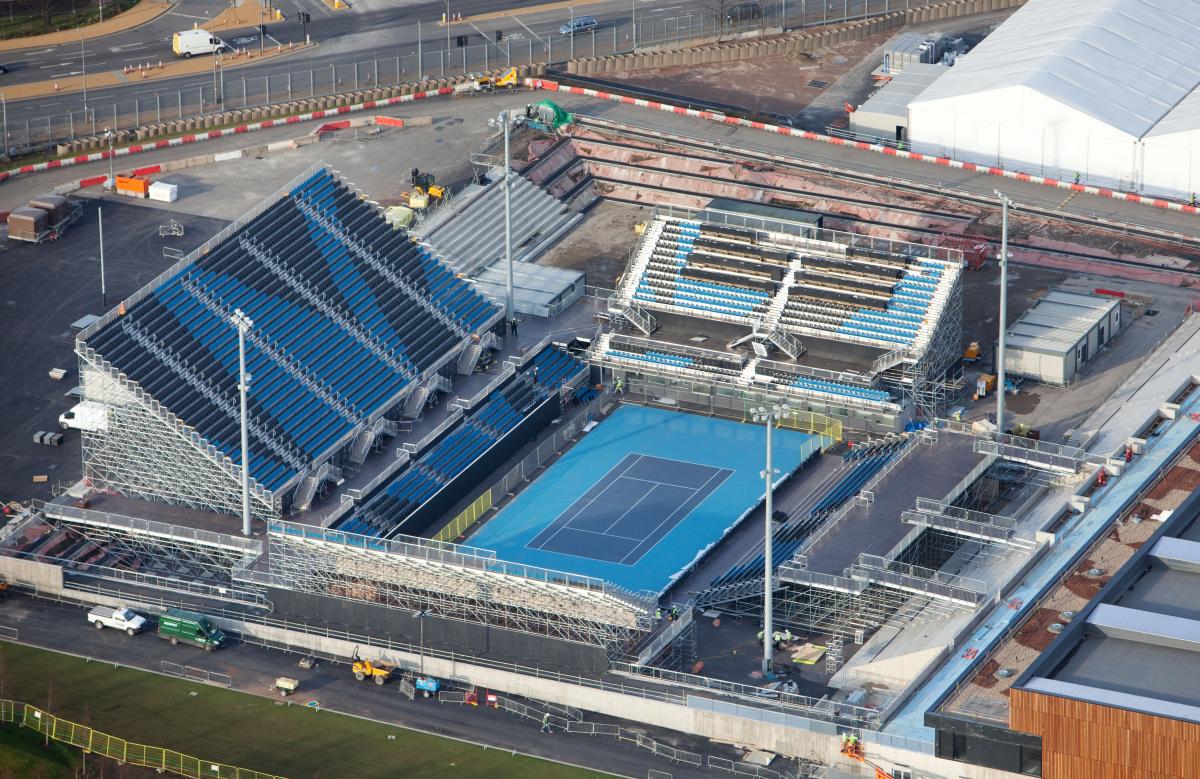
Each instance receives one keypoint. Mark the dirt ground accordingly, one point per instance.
(600, 244)
(781, 83)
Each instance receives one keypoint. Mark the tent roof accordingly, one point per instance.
(1126, 63)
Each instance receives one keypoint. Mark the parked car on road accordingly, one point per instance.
(579, 24)
(119, 618)
(198, 41)
(189, 627)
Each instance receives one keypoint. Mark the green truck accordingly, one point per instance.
(188, 627)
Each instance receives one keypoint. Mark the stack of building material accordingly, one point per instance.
(164, 192)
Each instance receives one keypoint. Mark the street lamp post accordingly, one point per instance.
(103, 288)
(111, 136)
(768, 415)
(447, 28)
(420, 615)
(1005, 204)
(243, 323)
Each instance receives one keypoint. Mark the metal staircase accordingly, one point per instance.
(469, 358)
(302, 500)
(787, 343)
(636, 316)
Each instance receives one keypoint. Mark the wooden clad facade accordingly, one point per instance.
(1083, 740)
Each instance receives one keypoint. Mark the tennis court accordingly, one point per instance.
(637, 499)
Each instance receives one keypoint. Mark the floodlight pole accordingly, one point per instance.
(508, 259)
(768, 605)
(243, 323)
(768, 415)
(1000, 377)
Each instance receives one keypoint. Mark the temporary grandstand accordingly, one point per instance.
(349, 317)
(860, 329)
(410, 503)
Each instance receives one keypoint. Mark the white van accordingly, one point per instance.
(88, 416)
(197, 41)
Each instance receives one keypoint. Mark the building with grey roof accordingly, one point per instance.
(1063, 330)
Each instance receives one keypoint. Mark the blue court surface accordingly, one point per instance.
(639, 498)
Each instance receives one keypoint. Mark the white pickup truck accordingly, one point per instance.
(120, 618)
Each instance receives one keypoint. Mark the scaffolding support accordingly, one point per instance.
(457, 583)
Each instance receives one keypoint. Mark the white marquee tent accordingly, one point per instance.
(1100, 89)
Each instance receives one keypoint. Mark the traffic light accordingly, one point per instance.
(462, 41)
(499, 35)
(305, 17)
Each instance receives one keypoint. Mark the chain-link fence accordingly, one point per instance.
(225, 89)
(118, 749)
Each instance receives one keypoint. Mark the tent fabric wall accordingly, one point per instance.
(995, 128)
(1103, 90)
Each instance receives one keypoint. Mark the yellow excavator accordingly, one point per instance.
(366, 669)
(425, 190)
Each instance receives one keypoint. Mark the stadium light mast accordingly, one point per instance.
(768, 415)
(243, 323)
(1005, 204)
(504, 122)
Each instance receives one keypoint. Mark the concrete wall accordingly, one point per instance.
(30, 573)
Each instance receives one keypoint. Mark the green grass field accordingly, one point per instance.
(24, 754)
(240, 729)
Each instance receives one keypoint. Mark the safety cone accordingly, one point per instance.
(160, 65)
(55, 86)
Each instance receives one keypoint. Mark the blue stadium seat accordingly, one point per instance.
(340, 339)
(387, 512)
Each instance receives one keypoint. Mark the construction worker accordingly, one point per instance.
(760, 635)
(787, 635)
(674, 613)
(776, 637)
(546, 723)
(620, 385)
(658, 614)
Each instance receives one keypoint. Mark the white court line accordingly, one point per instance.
(632, 506)
(660, 483)
(591, 500)
(189, 16)
(603, 535)
(718, 472)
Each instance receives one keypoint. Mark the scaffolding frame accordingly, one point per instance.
(149, 453)
(456, 582)
(156, 554)
(146, 452)
(928, 382)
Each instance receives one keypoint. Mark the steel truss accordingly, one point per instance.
(456, 583)
(927, 383)
(153, 554)
(146, 452)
